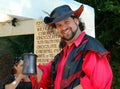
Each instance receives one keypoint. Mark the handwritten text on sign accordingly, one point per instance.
(46, 43)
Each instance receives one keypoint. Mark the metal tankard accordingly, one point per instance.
(29, 65)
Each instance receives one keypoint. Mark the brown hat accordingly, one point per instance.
(62, 12)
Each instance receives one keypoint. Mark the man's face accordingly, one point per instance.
(67, 28)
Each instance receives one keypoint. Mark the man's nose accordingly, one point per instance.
(63, 27)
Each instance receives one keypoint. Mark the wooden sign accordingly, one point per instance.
(46, 42)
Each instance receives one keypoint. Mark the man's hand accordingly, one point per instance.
(78, 87)
(39, 74)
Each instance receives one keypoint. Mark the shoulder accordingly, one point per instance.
(8, 79)
(96, 46)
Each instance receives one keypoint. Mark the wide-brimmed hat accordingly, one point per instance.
(62, 12)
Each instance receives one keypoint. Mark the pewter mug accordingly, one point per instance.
(29, 65)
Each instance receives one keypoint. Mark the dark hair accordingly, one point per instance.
(62, 43)
(17, 59)
(15, 63)
(81, 24)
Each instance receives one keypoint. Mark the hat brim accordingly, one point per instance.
(51, 21)
(77, 13)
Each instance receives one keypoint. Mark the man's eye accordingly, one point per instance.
(67, 22)
(58, 25)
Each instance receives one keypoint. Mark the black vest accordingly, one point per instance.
(73, 67)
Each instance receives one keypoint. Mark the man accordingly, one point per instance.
(83, 61)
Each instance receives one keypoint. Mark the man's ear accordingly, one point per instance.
(76, 21)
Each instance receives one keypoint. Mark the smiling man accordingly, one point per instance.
(83, 62)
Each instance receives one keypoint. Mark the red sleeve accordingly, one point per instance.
(34, 82)
(98, 72)
(45, 81)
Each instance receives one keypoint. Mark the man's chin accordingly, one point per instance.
(66, 39)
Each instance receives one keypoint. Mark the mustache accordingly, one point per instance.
(73, 34)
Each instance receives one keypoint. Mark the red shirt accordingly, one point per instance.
(98, 73)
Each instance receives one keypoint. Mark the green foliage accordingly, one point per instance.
(17, 45)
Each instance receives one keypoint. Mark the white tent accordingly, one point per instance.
(28, 10)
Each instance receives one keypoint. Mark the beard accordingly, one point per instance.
(72, 35)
